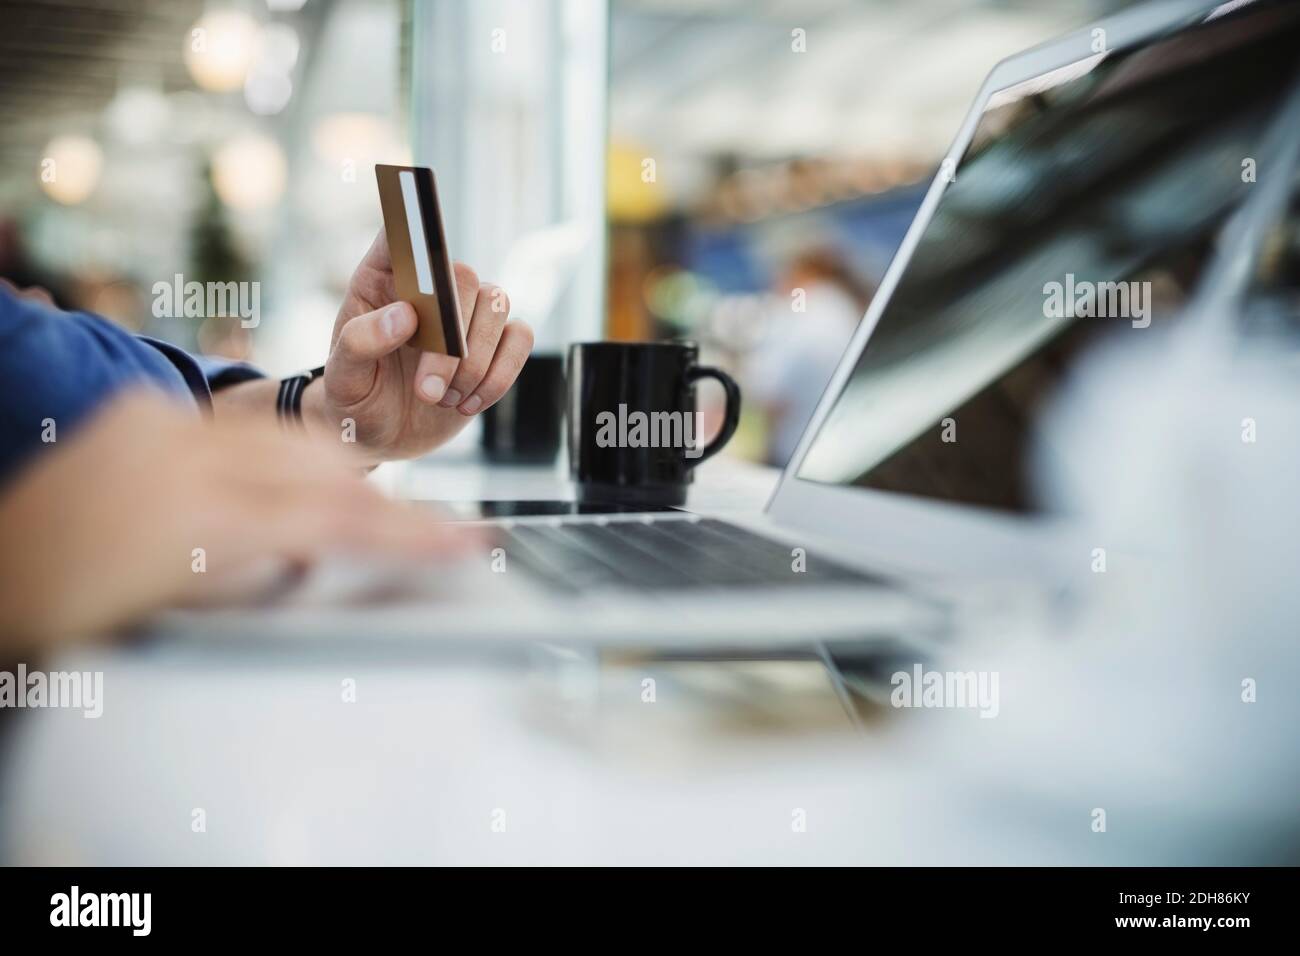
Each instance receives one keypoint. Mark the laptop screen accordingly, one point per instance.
(1084, 207)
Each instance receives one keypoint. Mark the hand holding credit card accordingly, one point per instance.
(420, 345)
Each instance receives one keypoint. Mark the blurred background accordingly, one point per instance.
(729, 171)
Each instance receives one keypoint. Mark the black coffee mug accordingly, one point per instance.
(634, 432)
(527, 424)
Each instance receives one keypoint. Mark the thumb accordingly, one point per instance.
(363, 340)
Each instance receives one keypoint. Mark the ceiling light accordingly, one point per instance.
(248, 173)
(70, 168)
(220, 48)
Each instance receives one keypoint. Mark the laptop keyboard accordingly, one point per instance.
(666, 555)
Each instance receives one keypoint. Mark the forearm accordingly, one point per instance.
(47, 591)
(257, 399)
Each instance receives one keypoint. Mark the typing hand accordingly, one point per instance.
(145, 507)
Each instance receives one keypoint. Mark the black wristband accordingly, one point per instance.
(288, 403)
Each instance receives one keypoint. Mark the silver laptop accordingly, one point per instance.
(1080, 202)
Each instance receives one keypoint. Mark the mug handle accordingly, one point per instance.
(731, 414)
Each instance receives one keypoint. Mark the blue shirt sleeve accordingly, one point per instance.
(58, 368)
(221, 372)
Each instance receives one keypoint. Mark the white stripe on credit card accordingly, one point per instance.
(415, 226)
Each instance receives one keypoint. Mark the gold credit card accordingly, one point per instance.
(417, 245)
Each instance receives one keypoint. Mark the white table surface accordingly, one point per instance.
(302, 754)
(285, 770)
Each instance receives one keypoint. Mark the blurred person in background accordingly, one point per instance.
(819, 300)
(17, 267)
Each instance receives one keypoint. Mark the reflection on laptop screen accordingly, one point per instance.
(1085, 206)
